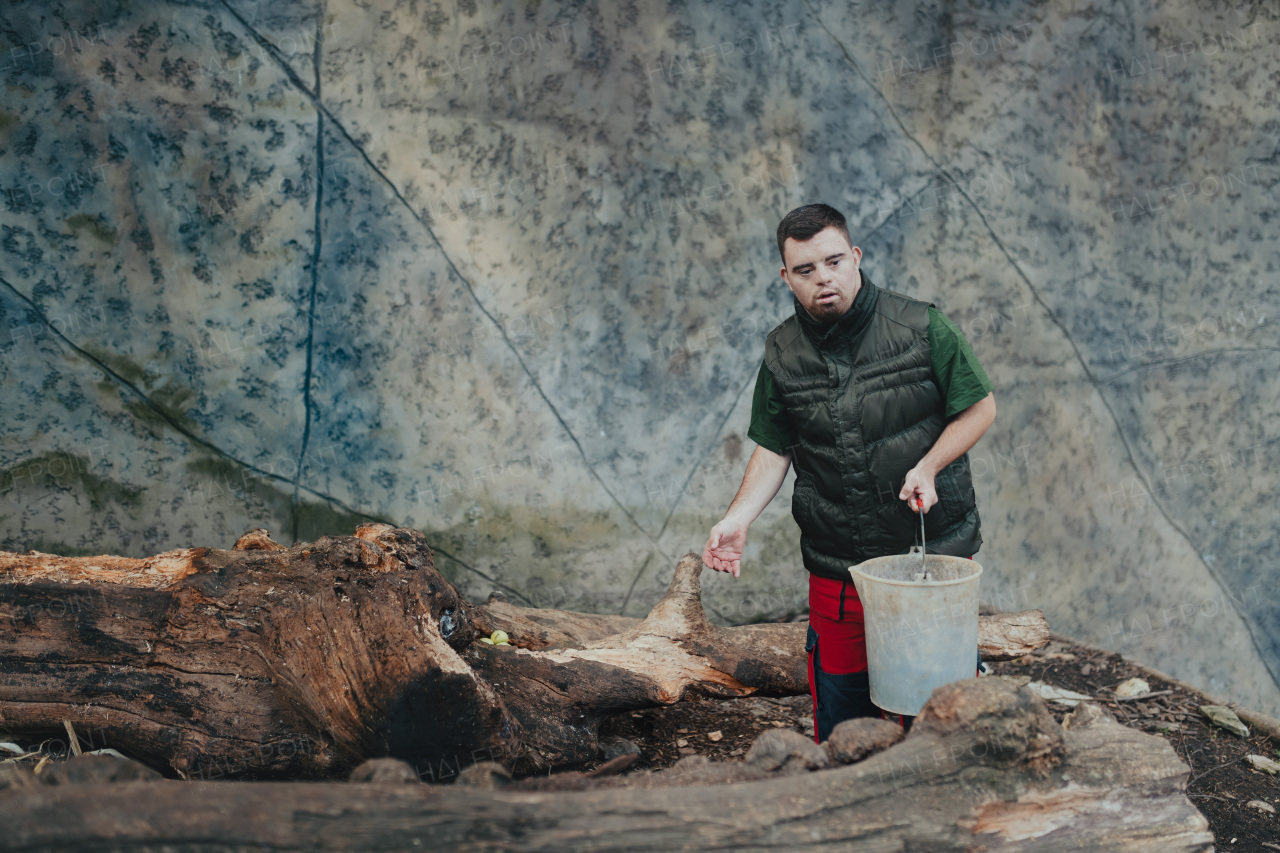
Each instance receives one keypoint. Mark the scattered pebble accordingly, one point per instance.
(1261, 762)
(1086, 670)
(682, 743)
(1261, 806)
(715, 737)
(1224, 717)
(854, 740)
(1132, 687)
(613, 747)
(787, 751)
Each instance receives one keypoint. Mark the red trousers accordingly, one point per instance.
(837, 647)
(835, 612)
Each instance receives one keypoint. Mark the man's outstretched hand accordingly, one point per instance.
(918, 489)
(723, 551)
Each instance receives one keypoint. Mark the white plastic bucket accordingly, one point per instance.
(920, 634)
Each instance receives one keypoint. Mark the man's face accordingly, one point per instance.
(823, 273)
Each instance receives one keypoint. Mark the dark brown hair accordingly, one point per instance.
(805, 222)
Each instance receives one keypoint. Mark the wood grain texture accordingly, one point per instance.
(302, 662)
(985, 767)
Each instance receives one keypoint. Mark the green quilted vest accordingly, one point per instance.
(866, 408)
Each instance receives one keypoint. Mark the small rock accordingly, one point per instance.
(612, 747)
(854, 740)
(777, 724)
(1261, 762)
(1224, 717)
(682, 742)
(1086, 714)
(1087, 669)
(1025, 660)
(682, 731)
(691, 765)
(1261, 806)
(699, 770)
(715, 737)
(1060, 656)
(786, 751)
(485, 776)
(1132, 687)
(737, 751)
(96, 769)
(687, 750)
(384, 771)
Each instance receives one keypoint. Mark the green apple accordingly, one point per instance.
(499, 637)
(487, 640)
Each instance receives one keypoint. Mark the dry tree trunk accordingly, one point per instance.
(303, 662)
(984, 768)
(299, 662)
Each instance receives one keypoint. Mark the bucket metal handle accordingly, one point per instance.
(920, 510)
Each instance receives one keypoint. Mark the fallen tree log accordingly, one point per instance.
(265, 662)
(985, 767)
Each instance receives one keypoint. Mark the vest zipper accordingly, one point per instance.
(840, 618)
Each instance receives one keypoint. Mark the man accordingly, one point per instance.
(876, 397)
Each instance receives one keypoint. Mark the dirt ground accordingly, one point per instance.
(1221, 784)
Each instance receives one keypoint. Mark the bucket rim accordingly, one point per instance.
(856, 571)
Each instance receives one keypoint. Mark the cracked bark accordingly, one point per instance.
(303, 662)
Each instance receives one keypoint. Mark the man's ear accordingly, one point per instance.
(783, 272)
(857, 254)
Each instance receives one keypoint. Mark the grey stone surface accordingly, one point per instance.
(856, 739)
(615, 747)
(487, 775)
(786, 751)
(385, 771)
(502, 272)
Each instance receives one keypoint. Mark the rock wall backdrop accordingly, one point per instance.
(502, 272)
